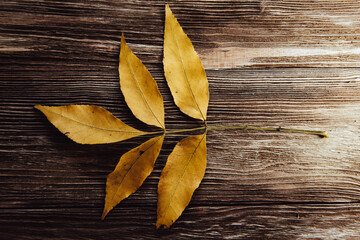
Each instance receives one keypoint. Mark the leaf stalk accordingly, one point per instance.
(321, 134)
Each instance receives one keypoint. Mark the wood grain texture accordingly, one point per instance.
(269, 63)
(280, 221)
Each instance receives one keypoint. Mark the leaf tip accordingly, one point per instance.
(122, 39)
(168, 11)
(41, 108)
(323, 135)
(105, 212)
(160, 225)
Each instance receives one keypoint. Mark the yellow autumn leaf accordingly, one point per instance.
(139, 88)
(184, 72)
(88, 124)
(182, 174)
(131, 171)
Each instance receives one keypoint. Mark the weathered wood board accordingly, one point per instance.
(269, 63)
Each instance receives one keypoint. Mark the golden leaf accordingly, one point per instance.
(184, 72)
(131, 171)
(182, 174)
(139, 88)
(88, 124)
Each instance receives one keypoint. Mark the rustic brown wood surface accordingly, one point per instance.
(286, 63)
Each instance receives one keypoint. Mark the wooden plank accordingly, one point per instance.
(226, 34)
(304, 221)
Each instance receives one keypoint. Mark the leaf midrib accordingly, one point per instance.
(117, 190)
(183, 68)
(182, 175)
(140, 90)
(91, 126)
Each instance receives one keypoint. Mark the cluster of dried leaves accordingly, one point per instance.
(185, 167)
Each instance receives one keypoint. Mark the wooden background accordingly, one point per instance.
(286, 63)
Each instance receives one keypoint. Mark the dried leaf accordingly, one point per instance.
(139, 88)
(131, 171)
(184, 72)
(184, 170)
(88, 124)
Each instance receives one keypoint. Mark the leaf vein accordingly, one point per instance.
(91, 126)
(117, 190)
(183, 68)
(182, 175)
(140, 90)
